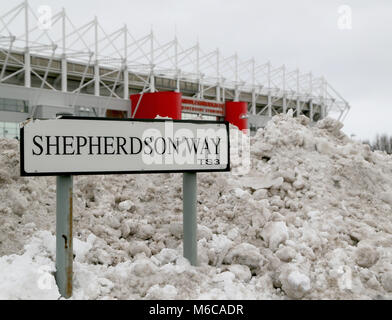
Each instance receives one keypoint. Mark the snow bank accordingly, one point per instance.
(312, 219)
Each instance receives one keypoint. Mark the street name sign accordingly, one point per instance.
(93, 146)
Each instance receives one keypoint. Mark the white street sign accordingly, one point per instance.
(84, 146)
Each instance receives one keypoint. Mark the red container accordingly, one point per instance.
(163, 104)
(237, 114)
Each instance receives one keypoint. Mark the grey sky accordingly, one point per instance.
(299, 33)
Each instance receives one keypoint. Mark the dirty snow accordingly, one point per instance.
(311, 220)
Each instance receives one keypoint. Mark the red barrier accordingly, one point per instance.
(236, 114)
(163, 104)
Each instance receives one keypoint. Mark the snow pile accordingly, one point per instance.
(312, 219)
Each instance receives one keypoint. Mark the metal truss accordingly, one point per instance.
(112, 62)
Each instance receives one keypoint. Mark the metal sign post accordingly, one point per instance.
(64, 237)
(190, 217)
(64, 242)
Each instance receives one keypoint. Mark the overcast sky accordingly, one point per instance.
(300, 33)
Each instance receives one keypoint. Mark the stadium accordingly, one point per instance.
(88, 71)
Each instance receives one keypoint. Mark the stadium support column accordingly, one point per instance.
(269, 91)
(269, 104)
(178, 72)
(236, 91)
(223, 98)
(178, 85)
(284, 90)
(125, 65)
(311, 110)
(126, 81)
(323, 111)
(152, 82)
(96, 79)
(323, 98)
(311, 97)
(253, 87)
(152, 76)
(218, 86)
(64, 86)
(64, 71)
(253, 101)
(201, 87)
(96, 65)
(199, 74)
(27, 68)
(27, 58)
(298, 95)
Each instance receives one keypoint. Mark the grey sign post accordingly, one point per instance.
(64, 242)
(70, 146)
(64, 237)
(190, 217)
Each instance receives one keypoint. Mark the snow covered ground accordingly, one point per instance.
(311, 220)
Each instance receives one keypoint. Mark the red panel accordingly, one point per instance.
(163, 104)
(235, 111)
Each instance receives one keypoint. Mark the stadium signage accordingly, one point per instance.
(205, 107)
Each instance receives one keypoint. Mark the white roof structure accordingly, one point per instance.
(48, 61)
